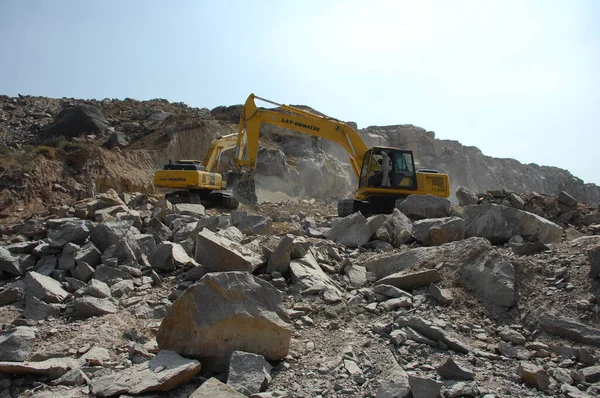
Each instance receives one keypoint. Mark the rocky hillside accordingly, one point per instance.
(58, 149)
(127, 295)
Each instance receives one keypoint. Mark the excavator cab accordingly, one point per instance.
(388, 168)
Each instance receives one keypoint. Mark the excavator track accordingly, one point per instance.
(208, 199)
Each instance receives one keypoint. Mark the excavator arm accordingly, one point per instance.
(296, 119)
(212, 158)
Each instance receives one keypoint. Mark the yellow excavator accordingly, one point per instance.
(194, 181)
(385, 175)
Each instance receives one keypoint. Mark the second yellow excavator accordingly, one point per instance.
(385, 175)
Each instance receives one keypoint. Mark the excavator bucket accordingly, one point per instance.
(242, 186)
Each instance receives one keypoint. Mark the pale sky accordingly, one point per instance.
(517, 79)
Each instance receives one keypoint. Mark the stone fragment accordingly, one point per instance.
(15, 264)
(465, 196)
(453, 371)
(164, 372)
(254, 224)
(594, 258)
(355, 230)
(279, 261)
(437, 231)
(37, 310)
(169, 256)
(424, 387)
(534, 376)
(89, 254)
(248, 373)
(565, 198)
(96, 288)
(11, 294)
(309, 277)
(399, 228)
(53, 368)
(44, 288)
(492, 279)
(429, 330)
(213, 388)
(591, 374)
(567, 327)
(442, 296)
(17, 345)
(83, 272)
(74, 231)
(356, 275)
(87, 306)
(411, 280)
(122, 289)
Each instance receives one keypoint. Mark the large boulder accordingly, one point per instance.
(437, 231)
(417, 207)
(355, 230)
(248, 373)
(75, 121)
(499, 223)
(226, 312)
(108, 233)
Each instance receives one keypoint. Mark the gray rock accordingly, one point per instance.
(107, 233)
(44, 288)
(512, 336)
(492, 279)
(507, 349)
(567, 327)
(591, 373)
(87, 306)
(11, 294)
(169, 256)
(417, 207)
(110, 275)
(534, 376)
(219, 254)
(15, 264)
(75, 121)
(70, 248)
(499, 223)
(214, 388)
(465, 196)
(83, 271)
(26, 247)
(33, 227)
(66, 261)
(388, 389)
(390, 291)
(145, 242)
(399, 228)
(164, 372)
(567, 199)
(74, 231)
(411, 280)
(189, 209)
(528, 248)
(89, 254)
(279, 261)
(254, 224)
(46, 265)
(453, 371)
(355, 230)
(122, 289)
(356, 275)
(437, 231)
(160, 231)
(232, 233)
(309, 277)
(516, 201)
(442, 296)
(248, 373)
(52, 368)
(96, 288)
(429, 330)
(74, 377)
(17, 345)
(594, 258)
(211, 320)
(424, 387)
(35, 309)
(195, 273)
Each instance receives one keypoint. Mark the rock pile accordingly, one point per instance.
(129, 295)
